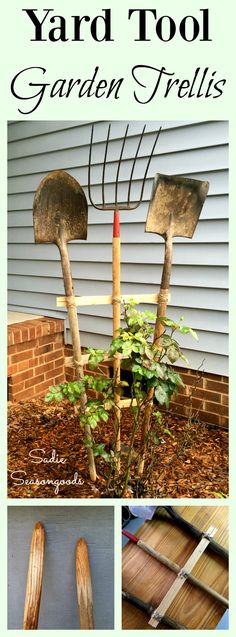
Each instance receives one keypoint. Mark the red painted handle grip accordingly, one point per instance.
(116, 224)
(131, 537)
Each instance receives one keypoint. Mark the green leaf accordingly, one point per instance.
(162, 394)
(172, 353)
(168, 322)
(158, 416)
(137, 369)
(104, 416)
(175, 378)
(155, 438)
(184, 358)
(168, 432)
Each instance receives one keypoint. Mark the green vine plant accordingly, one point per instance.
(150, 365)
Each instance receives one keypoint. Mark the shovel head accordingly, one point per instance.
(176, 199)
(60, 210)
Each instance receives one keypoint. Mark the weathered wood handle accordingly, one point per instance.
(163, 559)
(75, 337)
(148, 608)
(159, 329)
(116, 319)
(197, 533)
(84, 586)
(34, 579)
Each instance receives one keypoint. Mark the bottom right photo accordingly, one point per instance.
(175, 567)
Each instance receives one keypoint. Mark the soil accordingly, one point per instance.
(189, 461)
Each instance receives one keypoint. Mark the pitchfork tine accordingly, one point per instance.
(89, 167)
(104, 165)
(134, 162)
(128, 205)
(119, 163)
(147, 167)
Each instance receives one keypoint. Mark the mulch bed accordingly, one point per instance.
(190, 463)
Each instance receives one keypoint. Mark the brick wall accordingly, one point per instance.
(204, 395)
(35, 357)
(36, 360)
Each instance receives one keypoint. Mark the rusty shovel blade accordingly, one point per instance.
(177, 198)
(60, 210)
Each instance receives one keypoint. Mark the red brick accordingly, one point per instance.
(225, 400)
(216, 409)
(207, 395)
(24, 334)
(224, 421)
(18, 378)
(59, 337)
(189, 379)
(26, 393)
(220, 387)
(22, 347)
(179, 408)
(43, 349)
(35, 380)
(57, 345)
(42, 388)
(10, 339)
(43, 340)
(22, 356)
(216, 377)
(14, 389)
(50, 374)
(41, 369)
(23, 365)
(53, 356)
(17, 338)
(11, 350)
(12, 369)
(60, 379)
(32, 333)
(34, 362)
(214, 419)
(59, 362)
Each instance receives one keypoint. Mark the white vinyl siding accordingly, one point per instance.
(199, 277)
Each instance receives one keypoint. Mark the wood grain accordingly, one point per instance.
(149, 580)
(116, 327)
(84, 586)
(107, 299)
(34, 579)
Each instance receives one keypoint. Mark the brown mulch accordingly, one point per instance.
(190, 463)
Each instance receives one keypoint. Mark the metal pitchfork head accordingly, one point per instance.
(119, 206)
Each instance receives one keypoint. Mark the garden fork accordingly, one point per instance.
(116, 207)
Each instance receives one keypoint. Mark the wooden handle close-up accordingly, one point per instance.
(84, 586)
(34, 579)
(197, 533)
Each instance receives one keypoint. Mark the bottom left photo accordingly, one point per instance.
(57, 558)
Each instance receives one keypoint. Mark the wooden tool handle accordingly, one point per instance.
(148, 608)
(158, 331)
(34, 579)
(176, 569)
(160, 611)
(84, 586)
(163, 559)
(75, 337)
(116, 319)
(187, 526)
